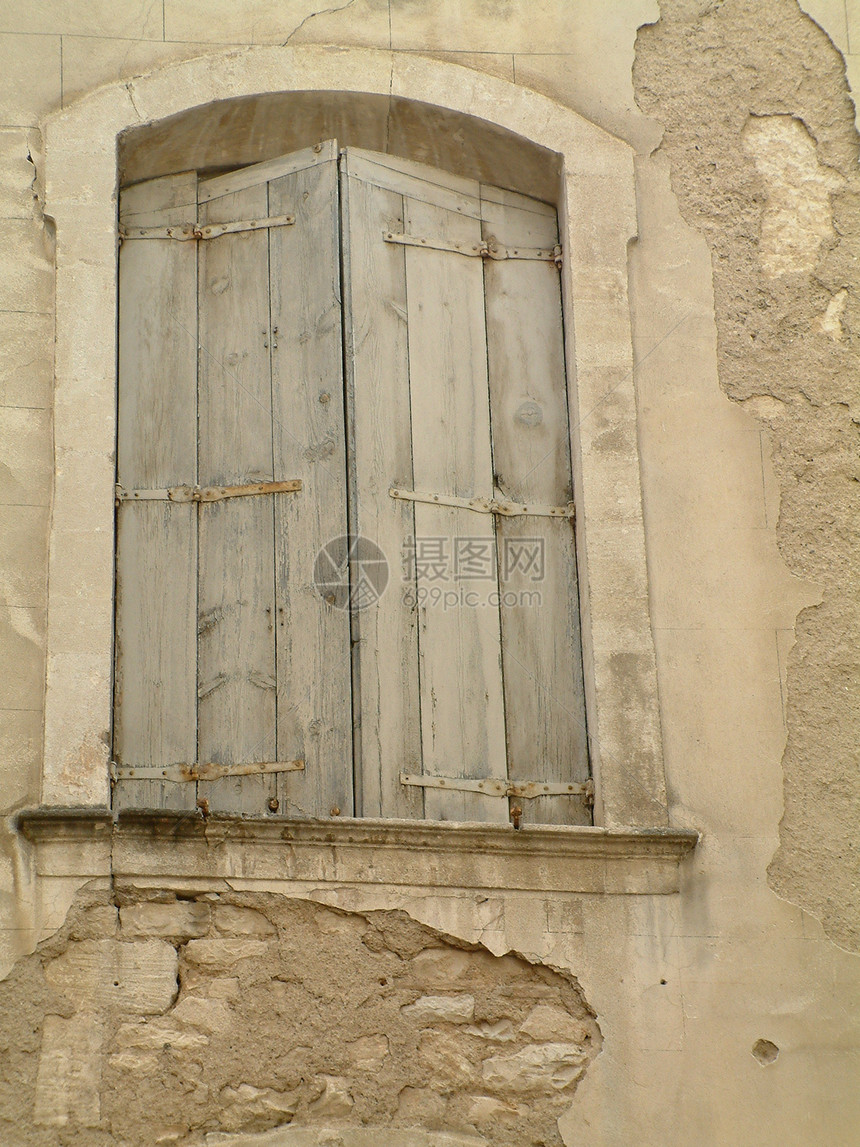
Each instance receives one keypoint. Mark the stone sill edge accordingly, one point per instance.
(667, 844)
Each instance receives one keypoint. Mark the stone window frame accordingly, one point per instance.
(597, 216)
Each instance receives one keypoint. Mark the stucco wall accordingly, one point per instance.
(742, 300)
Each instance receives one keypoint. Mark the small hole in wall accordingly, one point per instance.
(663, 981)
(383, 981)
(116, 983)
(765, 1051)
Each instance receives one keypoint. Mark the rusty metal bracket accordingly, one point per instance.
(480, 249)
(190, 231)
(207, 493)
(202, 772)
(485, 505)
(493, 787)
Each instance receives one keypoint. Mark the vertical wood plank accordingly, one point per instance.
(236, 617)
(385, 679)
(313, 636)
(462, 707)
(531, 456)
(155, 704)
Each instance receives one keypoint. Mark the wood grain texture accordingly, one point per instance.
(537, 563)
(462, 705)
(155, 704)
(313, 636)
(385, 679)
(236, 613)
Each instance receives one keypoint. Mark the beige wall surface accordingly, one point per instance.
(727, 1011)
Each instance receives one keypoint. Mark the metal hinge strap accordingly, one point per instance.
(203, 772)
(493, 787)
(478, 249)
(486, 505)
(187, 231)
(207, 493)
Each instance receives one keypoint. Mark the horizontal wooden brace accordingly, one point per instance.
(486, 505)
(188, 231)
(203, 772)
(495, 787)
(207, 493)
(480, 249)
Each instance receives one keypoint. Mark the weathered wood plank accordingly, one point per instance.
(462, 708)
(155, 705)
(424, 183)
(236, 613)
(266, 171)
(385, 678)
(531, 456)
(313, 636)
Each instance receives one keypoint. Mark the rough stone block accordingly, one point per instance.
(368, 1053)
(180, 920)
(223, 953)
(96, 923)
(213, 1016)
(335, 1100)
(457, 1009)
(232, 920)
(547, 1023)
(542, 1067)
(68, 1078)
(248, 1107)
(137, 977)
(443, 1056)
(157, 1034)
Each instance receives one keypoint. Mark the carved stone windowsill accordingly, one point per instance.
(179, 845)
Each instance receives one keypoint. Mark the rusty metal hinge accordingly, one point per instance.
(200, 771)
(486, 505)
(207, 493)
(478, 249)
(185, 232)
(493, 787)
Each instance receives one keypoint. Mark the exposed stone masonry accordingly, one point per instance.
(171, 1020)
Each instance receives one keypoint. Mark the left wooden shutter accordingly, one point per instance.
(232, 657)
(155, 689)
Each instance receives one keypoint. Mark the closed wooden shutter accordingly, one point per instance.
(231, 376)
(456, 388)
(448, 447)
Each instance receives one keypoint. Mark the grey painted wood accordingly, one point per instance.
(313, 636)
(462, 707)
(236, 674)
(385, 679)
(266, 171)
(155, 708)
(531, 455)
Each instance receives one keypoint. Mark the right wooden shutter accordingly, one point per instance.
(456, 389)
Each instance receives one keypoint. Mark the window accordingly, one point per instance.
(346, 576)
